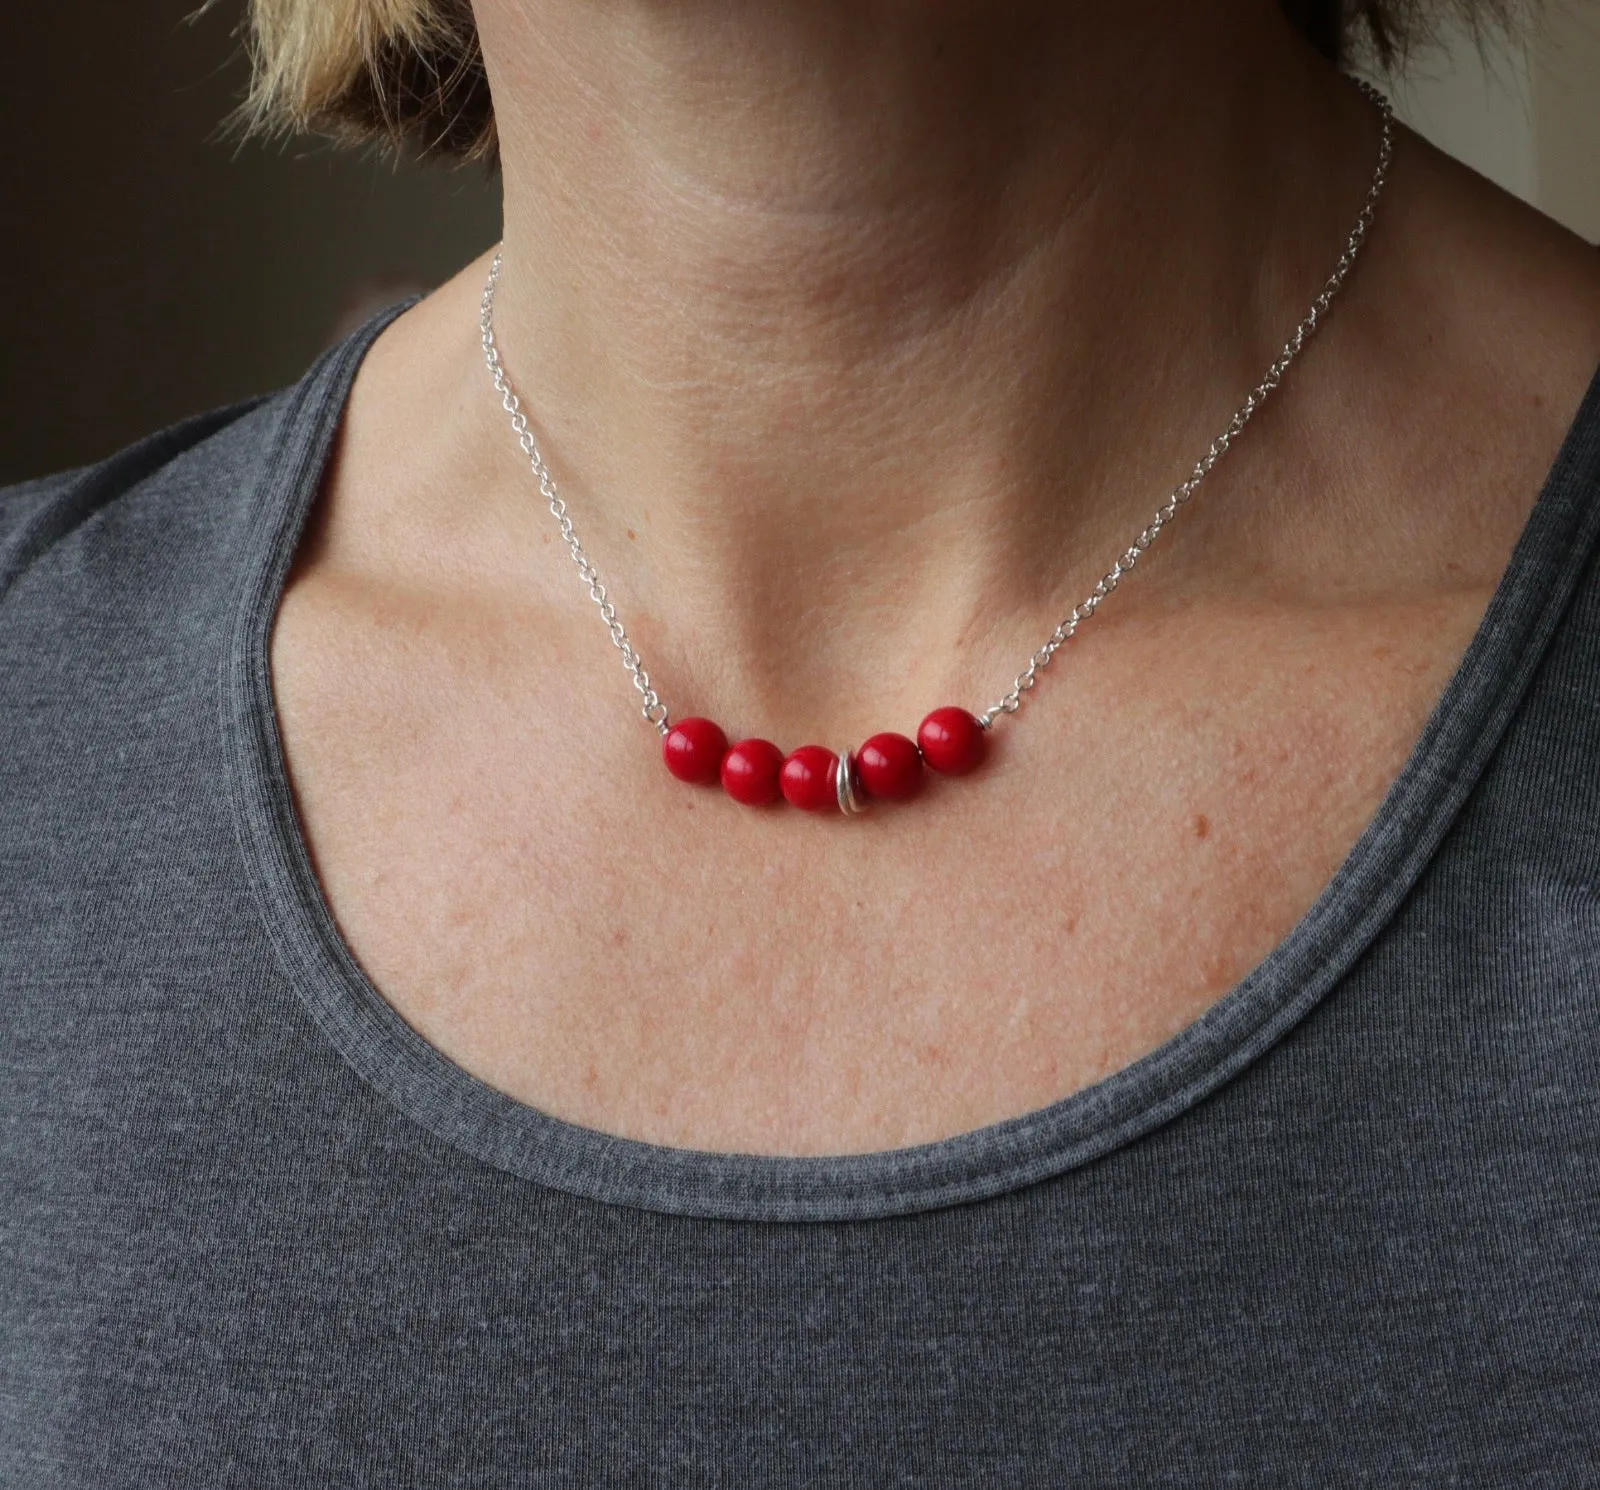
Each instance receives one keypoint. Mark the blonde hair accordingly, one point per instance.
(405, 73)
(409, 74)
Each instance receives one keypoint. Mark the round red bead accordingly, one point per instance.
(890, 767)
(693, 750)
(750, 772)
(952, 741)
(810, 779)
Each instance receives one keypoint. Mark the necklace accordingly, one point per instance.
(889, 767)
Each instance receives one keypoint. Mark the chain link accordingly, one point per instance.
(655, 711)
(652, 708)
(1184, 493)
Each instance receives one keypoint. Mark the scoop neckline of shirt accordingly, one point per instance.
(486, 1124)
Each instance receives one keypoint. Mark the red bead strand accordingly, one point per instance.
(887, 768)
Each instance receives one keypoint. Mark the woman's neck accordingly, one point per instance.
(876, 317)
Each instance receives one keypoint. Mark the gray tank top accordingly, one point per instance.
(255, 1232)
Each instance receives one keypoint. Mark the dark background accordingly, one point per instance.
(151, 267)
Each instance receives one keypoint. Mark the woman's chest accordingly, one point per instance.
(541, 901)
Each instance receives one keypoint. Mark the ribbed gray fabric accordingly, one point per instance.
(255, 1232)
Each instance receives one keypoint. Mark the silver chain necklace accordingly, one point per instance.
(950, 741)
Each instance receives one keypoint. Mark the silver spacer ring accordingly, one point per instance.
(851, 800)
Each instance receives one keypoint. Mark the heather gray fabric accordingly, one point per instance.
(254, 1232)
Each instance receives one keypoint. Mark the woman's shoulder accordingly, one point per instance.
(175, 513)
(137, 513)
(180, 507)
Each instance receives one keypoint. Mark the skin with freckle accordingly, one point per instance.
(892, 411)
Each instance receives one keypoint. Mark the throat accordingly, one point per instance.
(803, 317)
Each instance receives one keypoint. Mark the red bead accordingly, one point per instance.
(890, 767)
(810, 779)
(693, 750)
(952, 741)
(750, 772)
